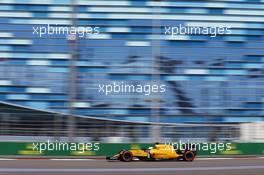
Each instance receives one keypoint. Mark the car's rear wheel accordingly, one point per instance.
(126, 156)
(188, 156)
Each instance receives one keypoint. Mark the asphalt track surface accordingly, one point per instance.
(244, 166)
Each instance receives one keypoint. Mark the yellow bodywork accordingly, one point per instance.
(139, 153)
(157, 152)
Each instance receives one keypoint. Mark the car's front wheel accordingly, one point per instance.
(126, 156)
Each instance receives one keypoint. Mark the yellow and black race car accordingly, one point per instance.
(158, 152)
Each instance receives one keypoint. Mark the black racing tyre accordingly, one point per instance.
(126, 156)
(188, 156)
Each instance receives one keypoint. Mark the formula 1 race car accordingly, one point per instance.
(158, 152)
